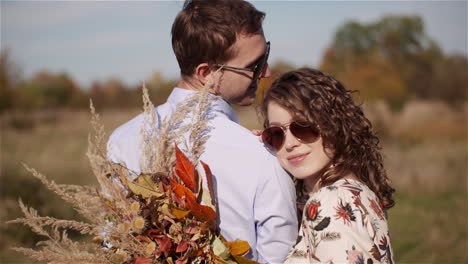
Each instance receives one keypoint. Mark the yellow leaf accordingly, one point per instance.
(238, 247)
(219, 249)
(206, 198)
(179, 214)
(145, 187)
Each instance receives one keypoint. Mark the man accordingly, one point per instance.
(255, 196)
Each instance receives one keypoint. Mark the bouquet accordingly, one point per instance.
(166, 214)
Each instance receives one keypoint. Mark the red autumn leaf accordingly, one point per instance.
(202, 212)
(180, 261)
(153, 232)
(142, 260)
(165, 244)
(183, 246)
(172, 182)
(209, 180)
(184, 169)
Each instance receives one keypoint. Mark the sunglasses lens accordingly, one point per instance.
(273, 138)
(261, 65)
(306, 132)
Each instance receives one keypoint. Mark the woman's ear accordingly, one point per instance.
(202, 72)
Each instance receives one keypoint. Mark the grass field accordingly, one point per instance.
(427, 225)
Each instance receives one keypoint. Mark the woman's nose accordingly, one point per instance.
(290, 141)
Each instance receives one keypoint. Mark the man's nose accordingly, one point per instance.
(267, 72)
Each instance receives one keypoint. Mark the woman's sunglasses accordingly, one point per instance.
(273, 137)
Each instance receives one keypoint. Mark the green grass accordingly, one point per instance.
(429, 227)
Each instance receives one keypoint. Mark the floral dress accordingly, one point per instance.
(342, 223)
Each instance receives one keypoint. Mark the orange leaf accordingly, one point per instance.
(184, 169)
(238, 247)
(179, 214)
(183, 191)
(209, 181)
(242, 260)
(142, 260)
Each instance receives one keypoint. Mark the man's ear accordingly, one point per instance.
(202, 72)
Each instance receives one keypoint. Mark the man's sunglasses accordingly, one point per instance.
(273, 137)
(257, 69)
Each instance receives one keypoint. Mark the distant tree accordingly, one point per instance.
(277, 68)
(47, 90)
(9, 78)
(404, 60)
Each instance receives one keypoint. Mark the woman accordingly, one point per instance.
(322, 138)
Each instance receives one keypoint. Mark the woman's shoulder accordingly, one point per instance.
(344, 189)
(347, 195)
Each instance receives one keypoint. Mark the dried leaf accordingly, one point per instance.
(184, 169)
(178, 213)
(243, 260)
(165, 244)
(209, 181)
(183, 191)
(143, 238)
(202, 212)
(153, 233)
(181, 261)
(219, 249)
(142, 260)
(183, 246)
(145, 187)
(206, 199)
(238, 247)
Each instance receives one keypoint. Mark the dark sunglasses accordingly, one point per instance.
(257, 69)
(273, 137)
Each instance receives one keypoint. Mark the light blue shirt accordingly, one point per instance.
(256, 197)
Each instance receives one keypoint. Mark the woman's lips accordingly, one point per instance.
(298, 158)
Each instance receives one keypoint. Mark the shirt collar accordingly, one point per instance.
(220, 105)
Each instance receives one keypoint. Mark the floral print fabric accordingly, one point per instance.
(342, 223)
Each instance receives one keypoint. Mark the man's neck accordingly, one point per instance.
(189, 85)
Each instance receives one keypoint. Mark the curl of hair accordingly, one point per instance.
(319, 98)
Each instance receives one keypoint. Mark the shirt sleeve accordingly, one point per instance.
(275, 214)
(123, 147)
(336, 228)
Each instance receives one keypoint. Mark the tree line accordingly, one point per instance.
(391, 59)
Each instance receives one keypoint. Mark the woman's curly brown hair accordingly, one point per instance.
(319, 98)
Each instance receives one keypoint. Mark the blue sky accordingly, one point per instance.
(131, 40)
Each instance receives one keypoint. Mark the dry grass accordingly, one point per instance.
(428, 224)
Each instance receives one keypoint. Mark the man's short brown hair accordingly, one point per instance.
(205, 30)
